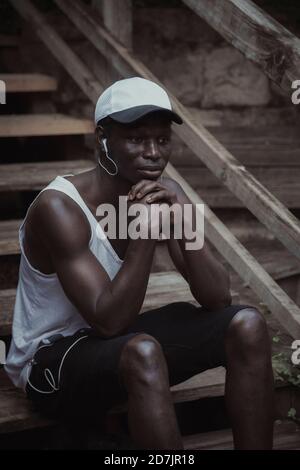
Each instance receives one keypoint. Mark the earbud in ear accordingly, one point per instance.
(104, 144)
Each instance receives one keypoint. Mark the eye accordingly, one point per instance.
(135, 140)
(164, 140)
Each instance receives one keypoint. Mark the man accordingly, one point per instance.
(79, 344)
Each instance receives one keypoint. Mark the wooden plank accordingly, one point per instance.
(9, 242)
(258, 199)
(7, 302)
(35, 176)
(32, 125)
(252, 146)
(16, 413)
(165, 288)
(256, 34)
(28, 83)
(284, 309)
(117, 18)
(282, 182)
(286, 437)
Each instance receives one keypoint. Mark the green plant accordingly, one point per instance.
(284, 370)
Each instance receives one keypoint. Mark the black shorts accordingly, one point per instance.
(192, 340)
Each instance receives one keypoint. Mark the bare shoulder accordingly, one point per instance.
(58, 220)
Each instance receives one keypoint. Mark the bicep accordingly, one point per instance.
(83, 280)
(66, 233)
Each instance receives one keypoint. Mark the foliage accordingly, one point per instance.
(284, 370)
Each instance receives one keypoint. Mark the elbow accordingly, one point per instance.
(103, 332)
(108, 329)
(112, 328)
(225, 301)
(217, 303)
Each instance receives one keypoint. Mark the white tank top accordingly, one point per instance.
(42, 309)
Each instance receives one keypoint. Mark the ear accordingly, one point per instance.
(99, 134)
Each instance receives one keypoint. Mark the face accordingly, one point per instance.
(142, 150)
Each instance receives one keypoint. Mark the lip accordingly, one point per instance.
(153, 172)
(150, 168)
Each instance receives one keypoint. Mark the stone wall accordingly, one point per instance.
(196, 63)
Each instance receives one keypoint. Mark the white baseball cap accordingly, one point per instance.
(132, 98)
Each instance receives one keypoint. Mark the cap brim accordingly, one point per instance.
(133, 114)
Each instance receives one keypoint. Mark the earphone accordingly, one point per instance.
(105, 145)
(103, 141)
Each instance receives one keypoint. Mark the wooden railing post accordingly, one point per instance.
(256, 34)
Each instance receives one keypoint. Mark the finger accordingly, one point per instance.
(135, 188)
(162, 195)
(143, 188)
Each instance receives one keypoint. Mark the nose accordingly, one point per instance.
(151, 149)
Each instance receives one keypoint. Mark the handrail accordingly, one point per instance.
(261, 38)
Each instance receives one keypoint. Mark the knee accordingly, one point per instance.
(247, 336)
(141, 359)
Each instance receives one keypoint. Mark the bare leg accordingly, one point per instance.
(249, 383)
(151, 414)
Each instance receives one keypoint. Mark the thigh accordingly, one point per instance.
(77, 377)
(192, 338)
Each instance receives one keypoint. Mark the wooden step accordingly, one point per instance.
(33, 125)
(35, 176)
(282, 182)
(9, 240)
(16, 413)
(286, 437)
(252, 146)
(28, 82)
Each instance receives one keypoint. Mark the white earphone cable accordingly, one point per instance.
(47, 372)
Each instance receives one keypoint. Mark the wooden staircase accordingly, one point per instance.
(259, 149)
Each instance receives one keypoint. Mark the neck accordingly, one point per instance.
(109, 188)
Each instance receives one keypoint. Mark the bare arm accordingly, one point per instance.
(208, 280)
(107, 305)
